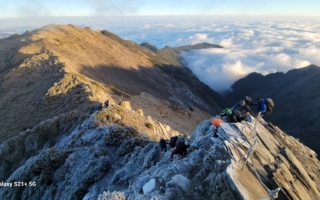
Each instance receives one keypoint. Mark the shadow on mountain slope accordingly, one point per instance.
(164, 85)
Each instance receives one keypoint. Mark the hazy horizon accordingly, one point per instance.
(27, 8)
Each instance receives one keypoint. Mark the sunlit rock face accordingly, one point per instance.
(61, 68)
(77, 157)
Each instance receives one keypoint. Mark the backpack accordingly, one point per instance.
(180, 143)
(172, 142)
(162, 143)
(216, 122)
(270, 105)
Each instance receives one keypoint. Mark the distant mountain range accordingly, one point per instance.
(57, 69)
(203, 45)
(296, 95)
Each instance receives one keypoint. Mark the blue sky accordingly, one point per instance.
(31, 8)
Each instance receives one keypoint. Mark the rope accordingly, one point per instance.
(251, 149)
(272, 193)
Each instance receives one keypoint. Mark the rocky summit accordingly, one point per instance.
(104, 156)
(82, 113)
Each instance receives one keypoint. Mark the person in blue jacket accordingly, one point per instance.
(262, 106)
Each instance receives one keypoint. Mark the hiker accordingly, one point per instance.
(231, 116)
(248, 100)
(245, 103)
(265, 106)
(262, 106)
(215, 125)
(163, 144)
(173, 141)
(242, 109)
(181, 148)
(216, 122)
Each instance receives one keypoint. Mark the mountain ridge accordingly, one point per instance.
(76, 156)
(61, 68)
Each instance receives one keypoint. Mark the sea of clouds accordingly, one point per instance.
(251, 44)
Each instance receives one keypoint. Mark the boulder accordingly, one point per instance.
(125, 104)
(140, 112)
(183, 182)
(149, 186)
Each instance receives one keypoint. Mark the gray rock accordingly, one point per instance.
(87, 158)
(149, 186)
(183, 182)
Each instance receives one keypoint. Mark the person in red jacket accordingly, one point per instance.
(181, 149)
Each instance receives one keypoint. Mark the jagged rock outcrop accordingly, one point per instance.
(85, 156)
(125, 104)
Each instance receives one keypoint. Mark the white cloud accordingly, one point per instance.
(200, 38)
(236, 70)
(301, 63)
(260, 45)
(170, 26)
(147, 26)
(227, 43)
(246, 34)
(311, 53)
(281, 59)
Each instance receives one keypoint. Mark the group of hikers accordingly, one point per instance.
(240, 111)
(179, 144)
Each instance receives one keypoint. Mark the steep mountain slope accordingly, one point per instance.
(169, 60)
(296, 95)
(57, 69)
(76, 157)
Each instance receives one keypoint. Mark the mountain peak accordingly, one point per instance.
(149, 46)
